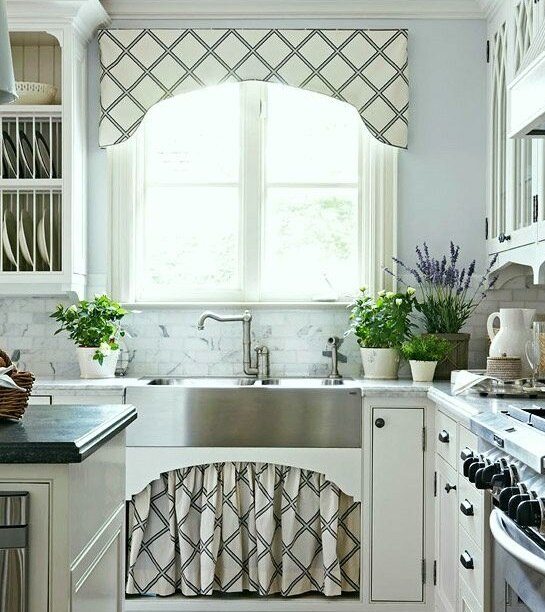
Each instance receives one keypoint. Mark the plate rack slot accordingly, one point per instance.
(31, 147)
(31, 230)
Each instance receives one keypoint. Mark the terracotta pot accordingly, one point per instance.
(91, 368)
(380, 363)
(422, 371)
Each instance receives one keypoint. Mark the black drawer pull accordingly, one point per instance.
(380, 423)
(466, 507)
(444, 436)
(467, 560)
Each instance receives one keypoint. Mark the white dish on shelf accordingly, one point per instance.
(41, 237)
(34, 93)
(9, 233)
(9, 156)
(26, 231)
(44, 167)
(26, 155)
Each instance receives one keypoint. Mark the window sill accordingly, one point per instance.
(256, 305)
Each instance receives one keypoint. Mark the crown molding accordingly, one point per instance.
(489, 7)
(85, 16)
(135, 10)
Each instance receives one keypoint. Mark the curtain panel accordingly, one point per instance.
(365, 68)
(233, 527)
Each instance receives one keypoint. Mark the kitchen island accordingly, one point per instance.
(71, 462)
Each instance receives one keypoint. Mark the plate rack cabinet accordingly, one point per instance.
(43, 178)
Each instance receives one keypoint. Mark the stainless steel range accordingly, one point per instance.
(510, 463)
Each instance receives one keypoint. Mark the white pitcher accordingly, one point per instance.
(515, 331)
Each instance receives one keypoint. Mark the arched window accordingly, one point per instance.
(250, 192)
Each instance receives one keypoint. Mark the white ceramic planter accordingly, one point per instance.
(380, 363)
(91, 368)
(422, 371)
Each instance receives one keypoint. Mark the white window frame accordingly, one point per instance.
(377, 214)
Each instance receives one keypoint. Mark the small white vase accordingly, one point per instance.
(380, 363)
(91, 368)
(422, 371)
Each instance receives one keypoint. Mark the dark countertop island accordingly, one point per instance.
(61, 434)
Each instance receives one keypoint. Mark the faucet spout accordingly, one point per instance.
(246, 319)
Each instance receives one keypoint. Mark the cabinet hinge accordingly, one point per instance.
(423, 571)
(435, 484)
(423, 438)
(486, 228)
(435, 572)
(488, 52)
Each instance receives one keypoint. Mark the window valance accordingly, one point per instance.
(365, 68)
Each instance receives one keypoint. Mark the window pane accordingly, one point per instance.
(191, 241)
(310, 233)
(195, 138)
(311, 138)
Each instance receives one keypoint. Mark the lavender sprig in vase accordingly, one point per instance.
(448, 295)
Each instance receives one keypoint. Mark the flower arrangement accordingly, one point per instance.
(92, 324)
(425, 348)
(383, 322)
(447, 299)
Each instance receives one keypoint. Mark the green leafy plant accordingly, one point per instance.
(425, 348)
(92, 324)
(382, 322)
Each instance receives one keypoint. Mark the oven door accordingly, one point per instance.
(519, 568)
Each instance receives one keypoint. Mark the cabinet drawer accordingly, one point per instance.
(473, 576)
(446, 438)
(466, 441)
(467, 601)
(471, 500)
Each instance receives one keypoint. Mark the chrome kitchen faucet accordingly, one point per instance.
(261, 369)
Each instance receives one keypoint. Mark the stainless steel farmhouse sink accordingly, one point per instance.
(245, 412)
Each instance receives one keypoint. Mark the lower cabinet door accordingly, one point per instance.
(446, 536)
(397, 512)
(38, 542)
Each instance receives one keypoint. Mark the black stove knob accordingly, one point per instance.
(505, 496)
(502, 480)
(467, 463)
(514, 503)
(529, 513)
(474, 468)
(483, 477)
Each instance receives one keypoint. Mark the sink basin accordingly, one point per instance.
(245, 412)
(207, 382)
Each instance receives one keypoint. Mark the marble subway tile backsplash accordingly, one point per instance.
(166, 341)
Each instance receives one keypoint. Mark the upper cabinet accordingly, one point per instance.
(515, 224)
(43, 180)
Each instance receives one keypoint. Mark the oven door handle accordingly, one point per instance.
(512, 547)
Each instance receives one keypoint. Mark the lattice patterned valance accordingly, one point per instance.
(366, 68)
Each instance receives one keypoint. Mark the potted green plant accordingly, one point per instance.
(95, 328)
(423, 353)
(381, 325)
(447, 298)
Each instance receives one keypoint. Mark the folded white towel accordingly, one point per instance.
(466, 380)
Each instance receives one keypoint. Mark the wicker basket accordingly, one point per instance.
(13, 402)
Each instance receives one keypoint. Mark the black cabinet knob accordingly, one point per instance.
(467, 560)
(529, 513)
(449, 487)
(466, 508)
(466, 453)
(444, 436)
(380, 423)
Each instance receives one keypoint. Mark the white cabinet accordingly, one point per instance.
(446, 536)
(43, 180)
(397, 506)
(515, 222)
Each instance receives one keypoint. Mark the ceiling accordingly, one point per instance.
(334, 9)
